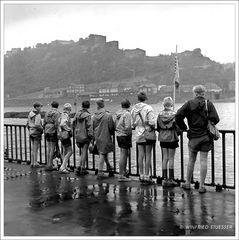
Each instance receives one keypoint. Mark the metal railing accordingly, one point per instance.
(18, 148)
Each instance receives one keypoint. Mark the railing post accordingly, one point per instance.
(137, 159)
(45, 150)
(20, 138)
(74, 147)
(114, 155)
(11, 144)
(30, 148)
(182, 159)
(16, 152)
(7, 141)
(129, 161)
(40, 152)
(223, 160)
(234, 158)
(212, 164)
(25, 142)
(154, 160)
(93, 161)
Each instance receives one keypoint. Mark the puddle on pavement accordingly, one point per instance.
(61, 206)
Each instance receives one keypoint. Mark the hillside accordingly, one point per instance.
(57, 65)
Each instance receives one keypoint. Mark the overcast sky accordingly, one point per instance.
(156, 27)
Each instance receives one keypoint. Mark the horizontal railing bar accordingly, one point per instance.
(12, 136)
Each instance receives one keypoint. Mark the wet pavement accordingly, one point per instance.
(39, 203)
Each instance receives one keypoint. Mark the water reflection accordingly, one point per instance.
(106, 209)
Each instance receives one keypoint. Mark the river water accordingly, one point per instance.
(227, 114)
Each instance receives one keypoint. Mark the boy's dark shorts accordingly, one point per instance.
(171, 145)
(51, 137)
(36, 138)
(203, 144)
(81, 145)
(66, 142)
(124, 141)
(148, 142)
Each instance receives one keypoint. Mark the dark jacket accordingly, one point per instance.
(166, 126)
(51, 121)
(84, 115)
(195, 112)
(103, 129)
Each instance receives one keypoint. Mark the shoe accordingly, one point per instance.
(36, 165)
(123, 178)
(171, 183)
(100, 176)
(70, 169)
(111, 173)
(148, 180)
(186, 186)
(165, 182)
(202, 190)
(84, 171)
(64, 171)
(50, 168)
(79, 171)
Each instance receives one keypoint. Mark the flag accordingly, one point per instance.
(176, 72)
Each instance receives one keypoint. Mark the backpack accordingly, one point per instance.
(81, 134)
(61, 133)
(50, 125)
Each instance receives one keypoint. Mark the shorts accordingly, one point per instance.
(124, 141)
(171, 145)
(51, 137)
(203, 144)
(36, 138)
(66, 142)
(148, 142)
(81, 145)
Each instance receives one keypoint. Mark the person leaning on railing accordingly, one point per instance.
(66, 130)
(123, 132)
(199, 141)
(103, 130)
(143, 120)
(168, 138)
(50, 130)
(34, 125)
(83, 135)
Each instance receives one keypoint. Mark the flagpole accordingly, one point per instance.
(174, 87)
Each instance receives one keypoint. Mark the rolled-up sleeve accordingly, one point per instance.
(180, 115)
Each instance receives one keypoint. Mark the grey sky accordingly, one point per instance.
(153, 26)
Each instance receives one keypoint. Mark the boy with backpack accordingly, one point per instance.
(50, 129)
(34, 125)
(168, 138)
(64, 134)
(83, 135)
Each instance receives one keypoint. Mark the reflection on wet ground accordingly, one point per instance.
(38, 203)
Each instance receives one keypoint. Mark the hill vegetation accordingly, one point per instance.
(57, 65)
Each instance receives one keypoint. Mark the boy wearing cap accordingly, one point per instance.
(168, 137)
(34, 125)
(199, 141)
(50, 129)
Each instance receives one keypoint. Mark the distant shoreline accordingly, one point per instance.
(24, 114)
